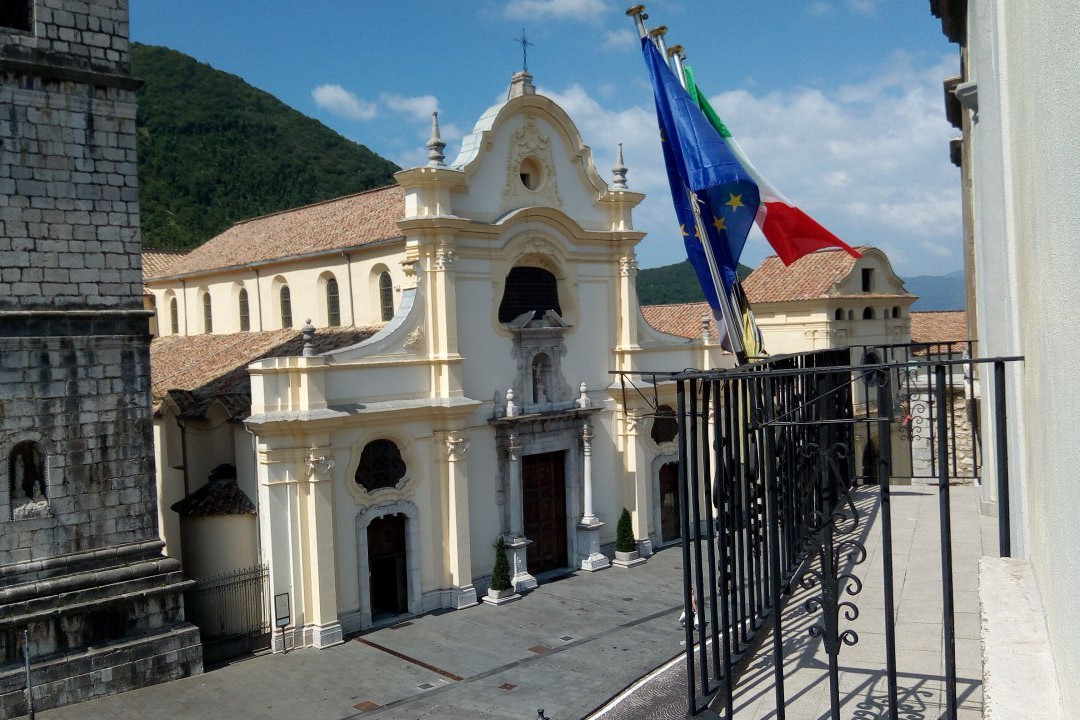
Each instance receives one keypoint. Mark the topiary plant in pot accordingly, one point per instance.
(500, 574)
(626, 552)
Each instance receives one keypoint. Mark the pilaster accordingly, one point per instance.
(455, 448)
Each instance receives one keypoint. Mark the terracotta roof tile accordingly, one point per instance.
(682, 319)
(334, 224)
(155, 263)
(194, 370)
(943, 326)
(808, 278)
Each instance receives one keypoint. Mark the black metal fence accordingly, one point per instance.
(231, 612)
(769, 463)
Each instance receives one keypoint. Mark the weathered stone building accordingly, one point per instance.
(81, 566)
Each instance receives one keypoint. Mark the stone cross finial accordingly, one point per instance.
(619, 171)
(436, 144)
(309, 338)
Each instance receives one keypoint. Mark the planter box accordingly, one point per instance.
(500, 597)
(627, 559)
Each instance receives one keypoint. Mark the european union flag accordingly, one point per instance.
(699, 161)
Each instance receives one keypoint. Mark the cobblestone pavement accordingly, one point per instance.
(567, 647)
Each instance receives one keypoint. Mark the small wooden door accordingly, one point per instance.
(387, 567)
(543, 479)
(669, 502)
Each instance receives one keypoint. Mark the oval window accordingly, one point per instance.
(529, 172)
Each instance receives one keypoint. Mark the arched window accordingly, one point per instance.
(245, 315)
(868, 314)
(665, 426)
(333, 304)
(839, 314)
(529, 288)
(380, 465)
(896, 311)
(26, 470)
(286, 307)
(386, 297)
(174, 317)
(207, 313)
(850, 314)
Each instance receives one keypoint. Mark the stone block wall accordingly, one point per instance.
(81, 564)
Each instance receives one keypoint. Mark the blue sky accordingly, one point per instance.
(838, 102)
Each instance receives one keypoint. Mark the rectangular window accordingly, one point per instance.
(17, 14)
(867, 279)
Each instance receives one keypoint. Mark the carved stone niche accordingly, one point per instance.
(538, 348)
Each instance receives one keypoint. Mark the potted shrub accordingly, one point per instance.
(499, 589)
(626, 552)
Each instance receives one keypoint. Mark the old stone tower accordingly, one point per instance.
(81, 565)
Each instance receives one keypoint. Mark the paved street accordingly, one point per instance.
(566, 647)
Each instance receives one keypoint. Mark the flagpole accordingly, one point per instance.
(734, 331)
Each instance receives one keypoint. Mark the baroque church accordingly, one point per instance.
(366, 393)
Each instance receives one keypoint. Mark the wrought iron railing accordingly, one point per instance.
(231, 612)
(768, 469)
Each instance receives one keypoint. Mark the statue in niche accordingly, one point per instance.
(26, 469)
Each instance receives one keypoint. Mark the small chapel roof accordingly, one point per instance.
(948, 327)
(344, 222)
(196, 370)
(682, 319)
(808, 278)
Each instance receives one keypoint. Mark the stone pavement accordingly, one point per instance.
(567, 647)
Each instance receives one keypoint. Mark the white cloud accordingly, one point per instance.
(619, 40)
(869, 161)
(339, 101)
(420, 107)
(559, 9)
(865, 7)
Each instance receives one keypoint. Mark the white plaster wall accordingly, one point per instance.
(1027, 221)
(218, 544)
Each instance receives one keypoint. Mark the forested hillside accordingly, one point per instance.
(672, 284)
(214, 150)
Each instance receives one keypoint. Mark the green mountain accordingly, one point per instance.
(214, 150)
(673, 284)
(938, 292)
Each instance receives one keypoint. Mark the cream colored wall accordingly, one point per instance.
(306, 278)
(218, 544)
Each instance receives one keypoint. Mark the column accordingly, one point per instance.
(463, 594)
(516, 543)
(321, 571)
(589, 527)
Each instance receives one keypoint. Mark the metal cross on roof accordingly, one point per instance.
(525, 44)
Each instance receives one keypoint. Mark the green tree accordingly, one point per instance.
(500, 574)
(624, 534)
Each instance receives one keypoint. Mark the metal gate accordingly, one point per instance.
(775, 507)
(231, 612)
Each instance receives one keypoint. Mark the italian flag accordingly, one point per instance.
(791, 232)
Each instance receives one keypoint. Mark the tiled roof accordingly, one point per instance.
(683, 319)
(194, 370)
(155, 263)
(217, 497)
(808, 278)
(940, 327)
(334, 224)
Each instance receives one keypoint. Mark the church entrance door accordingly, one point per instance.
(543, 480)
(386, 563)
(669, 502)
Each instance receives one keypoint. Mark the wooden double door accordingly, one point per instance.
(543, 481)
(387, 566)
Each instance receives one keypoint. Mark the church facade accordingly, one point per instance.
(488, 299)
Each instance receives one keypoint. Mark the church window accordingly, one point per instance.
(529, 172)
(867, 279)
(16, 14)
(207, 314)
(333, 304)
(174, 317)
(381, 465)
(386, 297)
(26, 470)
(665, 426)
(868, 314)
(850, 314)
(896, 312)
(839, 314)
(529, 288)
(245, 314)
(286, 307)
